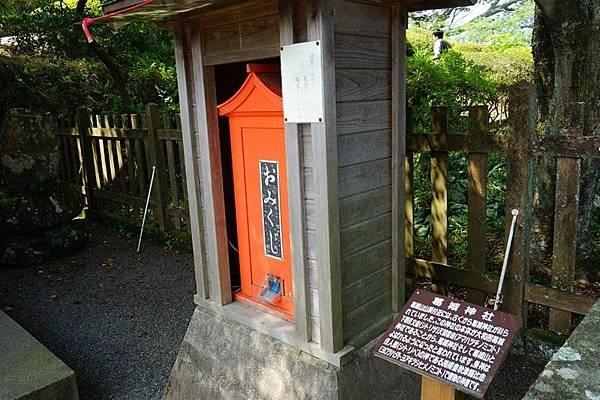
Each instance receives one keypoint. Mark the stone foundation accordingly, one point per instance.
(223, 359)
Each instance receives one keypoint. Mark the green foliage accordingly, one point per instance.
(57, 70)
(53, 84)
(452, 81)
(503, 66)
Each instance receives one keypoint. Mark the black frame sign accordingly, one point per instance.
(269, 186)
(449, 340)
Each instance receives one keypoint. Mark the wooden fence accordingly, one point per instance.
(519, 146)
(111, 158)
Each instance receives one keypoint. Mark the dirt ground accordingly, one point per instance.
(117, 319)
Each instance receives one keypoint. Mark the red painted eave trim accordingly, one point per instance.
(252, 82)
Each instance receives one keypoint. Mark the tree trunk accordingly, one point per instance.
(115, 70)
(567, 73)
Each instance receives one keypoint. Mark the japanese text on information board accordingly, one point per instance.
(459, 343)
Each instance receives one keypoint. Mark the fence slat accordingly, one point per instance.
(439, 188)
(173, 182)
(83, 125)
(565, 236)
(121, 176)
(126, 122)
(110, 155)
(65, 158)
(157, 158)
(409, 194)
(139, 162)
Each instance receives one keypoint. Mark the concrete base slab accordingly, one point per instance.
(223, 359)
(30, 371)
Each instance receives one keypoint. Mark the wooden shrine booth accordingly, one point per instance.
(336, 151)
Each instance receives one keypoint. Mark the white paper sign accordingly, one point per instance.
(302, 82)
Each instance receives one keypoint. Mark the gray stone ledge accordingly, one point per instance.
(574, 370)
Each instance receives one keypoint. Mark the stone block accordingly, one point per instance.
(29, 371)
(223, 359)
(574, 370)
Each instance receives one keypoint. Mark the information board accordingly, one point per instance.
(458, 343)
(302, 82)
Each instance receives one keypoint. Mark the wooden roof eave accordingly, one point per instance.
(170, 10)
(422, 5)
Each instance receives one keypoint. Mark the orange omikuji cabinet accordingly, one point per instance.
(256, 127)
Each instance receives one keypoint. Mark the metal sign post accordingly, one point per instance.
(146, 209)
(498, 299)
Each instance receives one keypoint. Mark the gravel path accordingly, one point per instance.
(116, 318)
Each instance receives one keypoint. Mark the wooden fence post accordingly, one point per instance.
(83, 127)
(478, 132)
(566, 207)
(439, 188)
(521, 123)
(157, 159)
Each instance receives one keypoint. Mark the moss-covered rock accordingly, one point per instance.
(37, 247)
(29, 211)
(28, 150)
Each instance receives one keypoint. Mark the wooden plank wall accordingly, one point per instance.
(363, 90)
(243, 33)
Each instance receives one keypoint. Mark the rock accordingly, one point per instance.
(28, 150)
(36, 209)
(33, 210)
(34, 248)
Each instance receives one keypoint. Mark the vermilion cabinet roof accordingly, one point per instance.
(260, 93)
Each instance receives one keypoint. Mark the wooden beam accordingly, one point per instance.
(569, 146)
(185, 83)
(324, 146)
(294, 159)
(398, 118)
(446, 273)
(454, 142)
(209, 157)
(559, 299)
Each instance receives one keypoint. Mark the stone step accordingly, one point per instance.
(30, 371)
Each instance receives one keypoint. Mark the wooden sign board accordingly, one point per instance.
(452, 341)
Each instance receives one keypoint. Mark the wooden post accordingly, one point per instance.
(439, 188)
(435, 390)
(190, 153)
(566, 206)
(157, 159)
(521, 123)
(398, 118)
(288, 32)
(324, 147)
(83, 126)
(478, 132)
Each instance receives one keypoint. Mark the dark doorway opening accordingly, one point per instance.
(229, 78)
